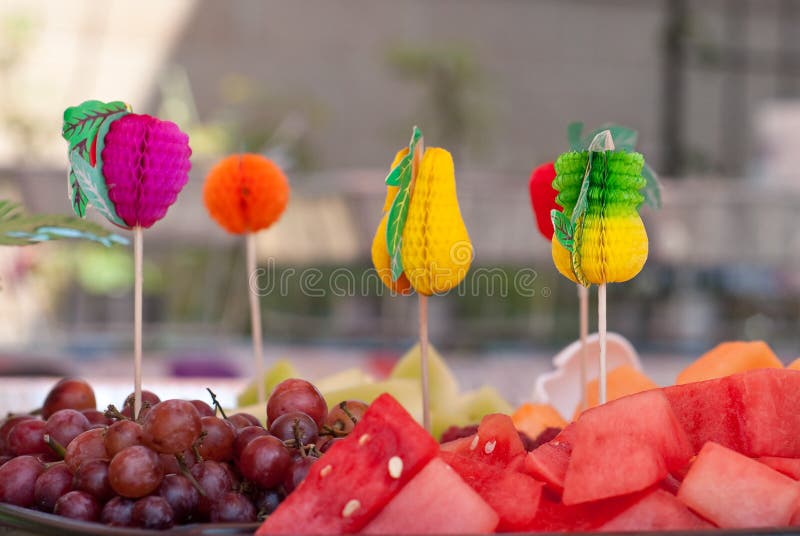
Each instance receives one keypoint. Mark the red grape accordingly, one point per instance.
(181, 495)
(92, 477)
(216, 442)
(245, 435)
(27, 437)
(54, 482)
(203, 409)
(297, 472)
(88, 446)
(170, 463)
(297, 395)
(122, 434)
(326, 442)
(214, 480)
(65, 424)
(266, 501)
(135, 472)
(6, 427)
(343, 417)
(264, 461)
(171, 426)
(69, 393)
(118, 512)
(153, 512)
(18, 480)
(294, 426)
(78, 505)
(4, 459)
(96, 417)
(242, 420)
(149, 399)
(233, 507)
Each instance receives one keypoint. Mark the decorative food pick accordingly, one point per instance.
(244, 194)
(543, 202)
(130, 168)
(422, 242)
(600, 236)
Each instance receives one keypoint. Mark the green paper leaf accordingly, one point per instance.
(76, 196)
(82, 122)
(563, 229)
(652, 187)
(18, 229)
(92, 185)
(398, 212)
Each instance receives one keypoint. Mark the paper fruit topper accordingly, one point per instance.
(129, 167)
(246, 193)
(421, 241)
(600, 237)
(543, 198)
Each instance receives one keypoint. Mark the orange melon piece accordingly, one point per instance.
(794, 365)
(622, 381)
(730, 358)
(533, 419)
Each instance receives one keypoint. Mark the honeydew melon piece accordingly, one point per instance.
(483, 401)
(441, 381)
(281, 370)
(344, 379)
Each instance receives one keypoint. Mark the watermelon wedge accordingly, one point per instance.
(513, 495)
(497, 442)
(353, 481)
(435, 501)
(554, 516)
(549, 462)
(624, 446)
(734, 491)
(658, 510)
(787, 466)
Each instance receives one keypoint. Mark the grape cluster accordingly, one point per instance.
(175, 462)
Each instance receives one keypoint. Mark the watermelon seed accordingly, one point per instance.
(325, 471)
(489, 447)
(395, 466)
(363, 439)
(474, 444)
(351, 506)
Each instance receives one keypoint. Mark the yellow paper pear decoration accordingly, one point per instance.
(426, 240)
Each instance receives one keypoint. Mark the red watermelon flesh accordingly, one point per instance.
(549, 462)
(658, 510)
(787, 466)
(457, 445)
(435, 501)
(754, 413)
(355, 471)
(497, 442)
(513, 495)
(554, 516)
(734, 491)
(624, 446)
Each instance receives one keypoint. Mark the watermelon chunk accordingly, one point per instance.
(436, 501)
(734, 491)
(497, 442)
(549, 462)
(351, 483)
(658, 510)
(513, 495)
(787, 466)
(754, 413)
(554, 516)
(624, 446)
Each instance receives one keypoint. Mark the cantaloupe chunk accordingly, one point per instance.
(730, 358)
(622, 381)
(794, 365)
(533, 419)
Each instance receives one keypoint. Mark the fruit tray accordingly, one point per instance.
(26, 521)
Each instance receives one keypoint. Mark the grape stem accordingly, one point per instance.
(185, 472)
(216, 404)
(113, 413)
(196, 445)
(56, 447)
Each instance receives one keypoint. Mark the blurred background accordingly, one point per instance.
(330, 90)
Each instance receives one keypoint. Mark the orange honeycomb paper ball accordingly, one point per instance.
(245, 193)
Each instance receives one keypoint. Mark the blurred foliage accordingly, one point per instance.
(452, 81)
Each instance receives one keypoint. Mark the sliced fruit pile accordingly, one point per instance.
(718, 453)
